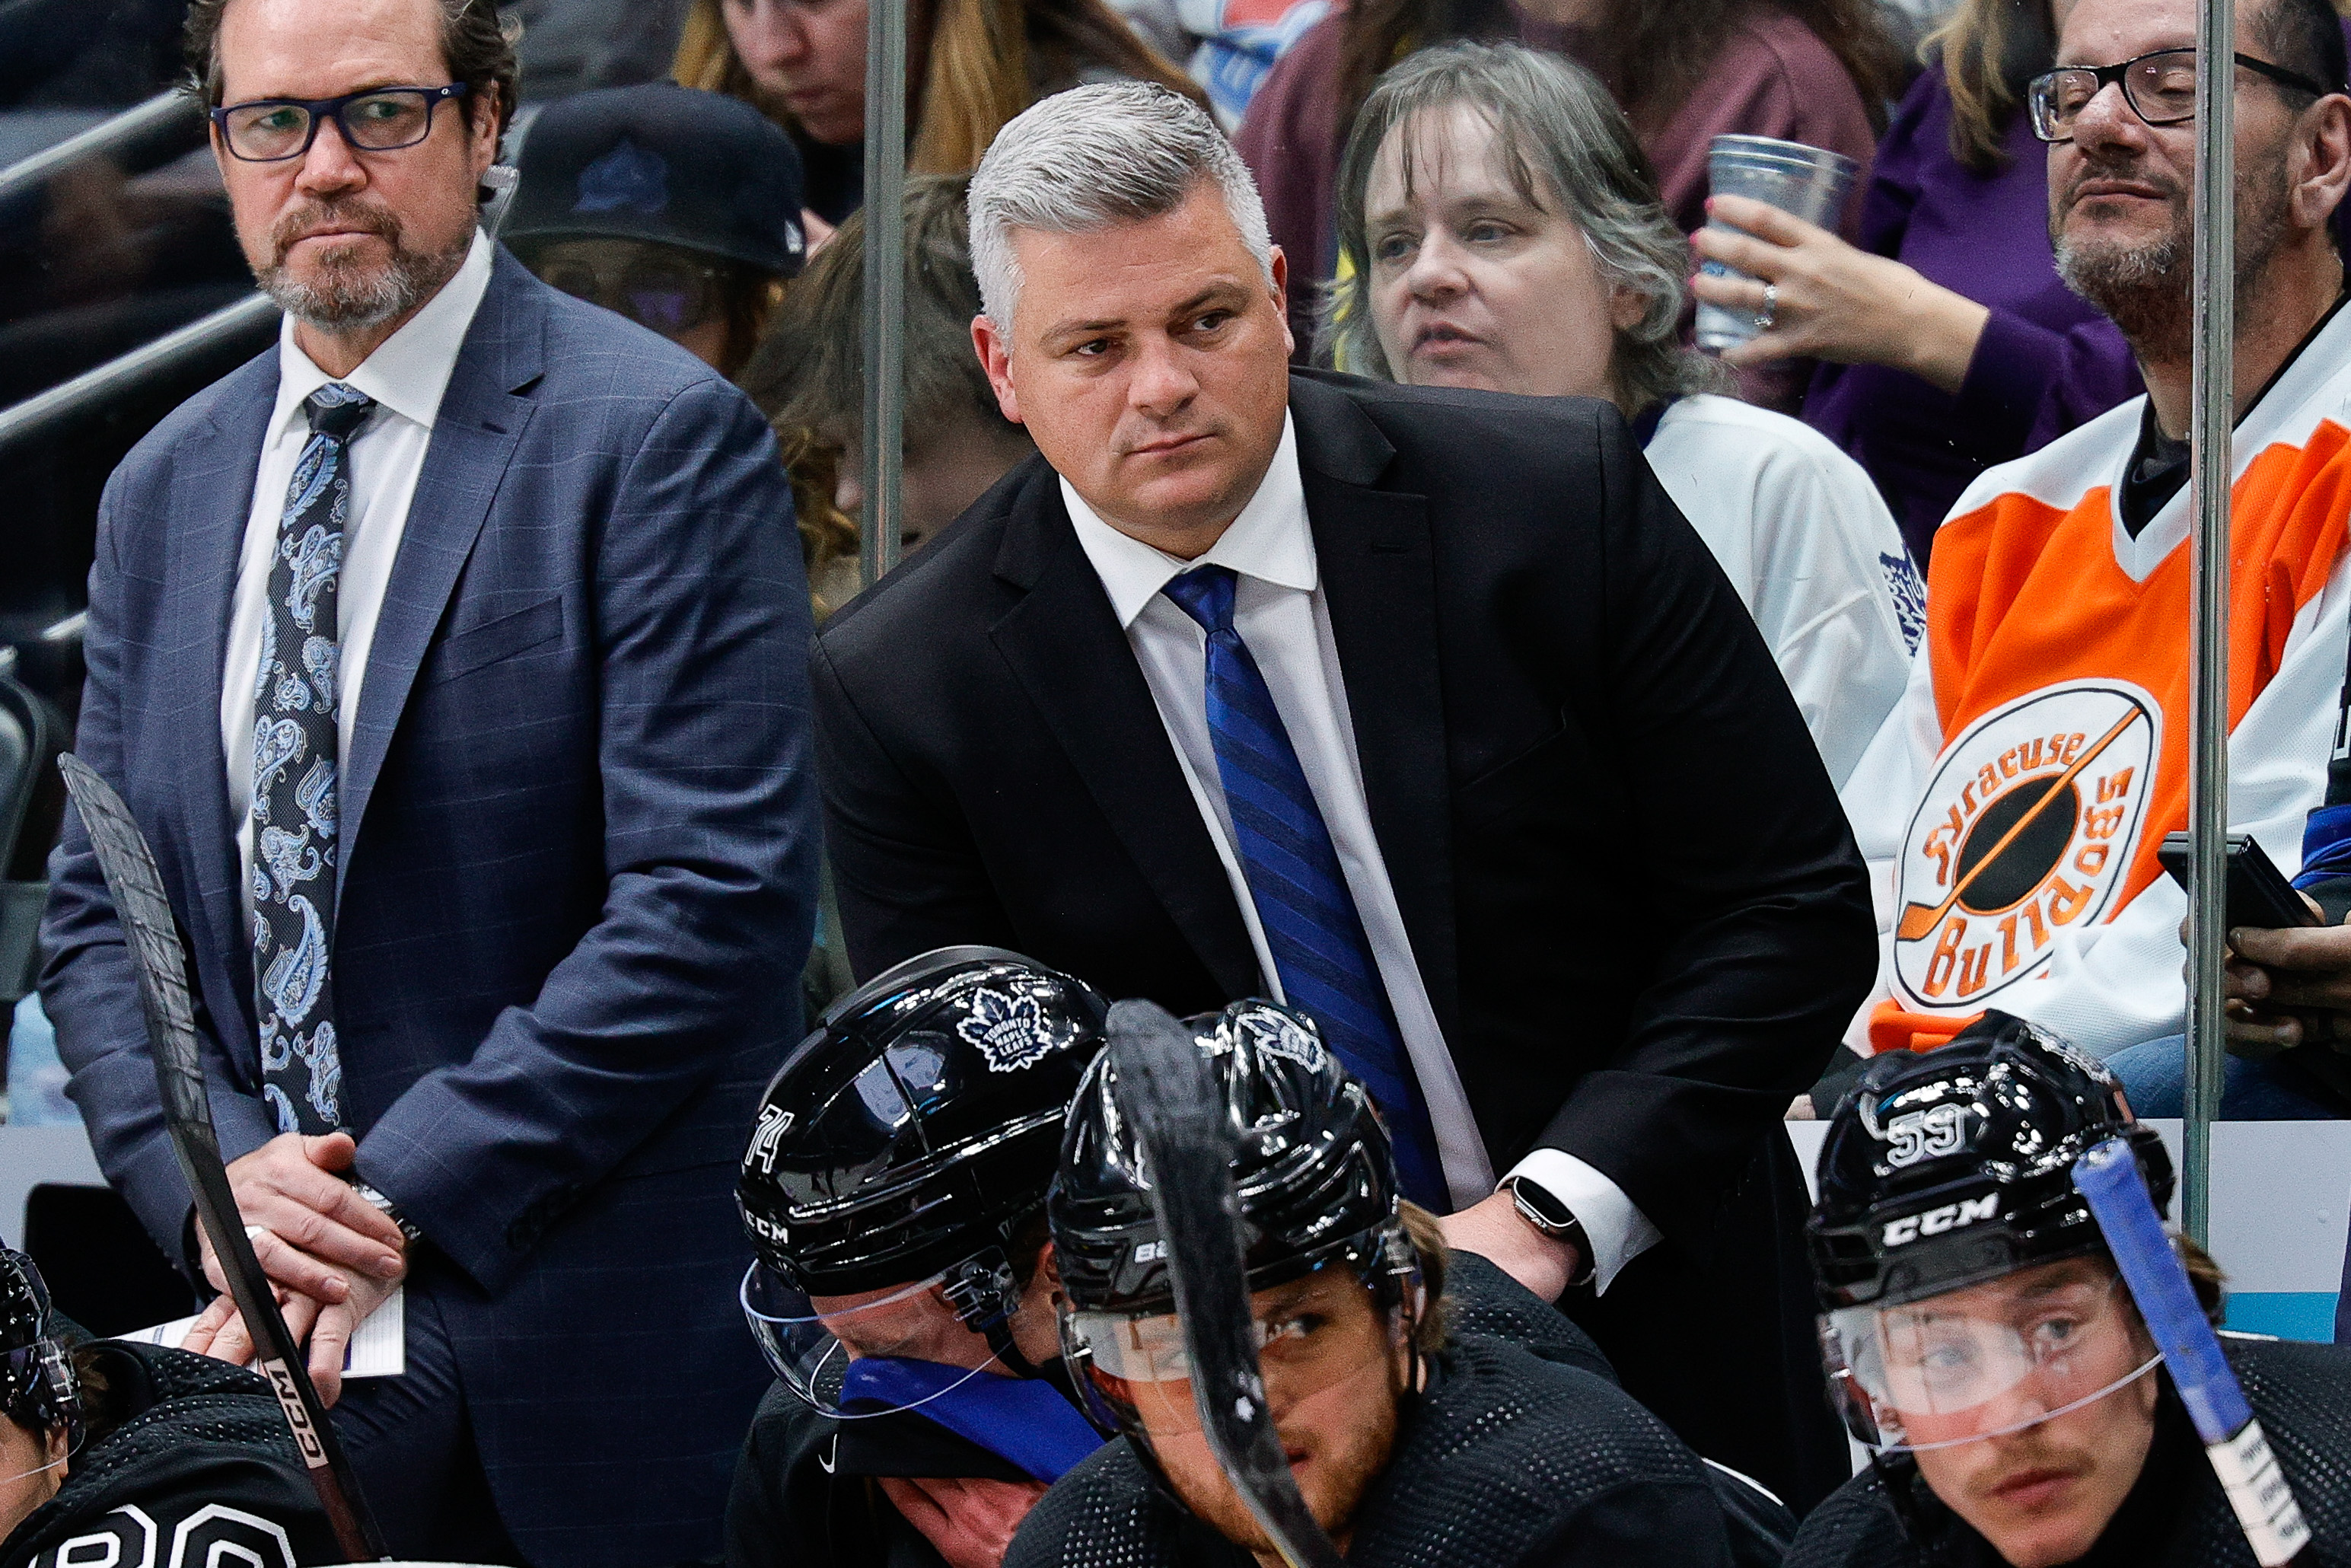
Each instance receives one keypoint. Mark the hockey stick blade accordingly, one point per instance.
(161, 968)
(1167, 1095)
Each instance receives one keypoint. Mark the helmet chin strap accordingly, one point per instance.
(984, 1296)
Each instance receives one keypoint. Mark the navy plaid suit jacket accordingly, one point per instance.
(578, 888)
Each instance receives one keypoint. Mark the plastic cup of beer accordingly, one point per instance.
(1810, 182)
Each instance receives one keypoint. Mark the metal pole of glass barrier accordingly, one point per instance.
(885, 285)
(2212, 416)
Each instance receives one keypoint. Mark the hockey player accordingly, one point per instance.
(115, 1453)
(1983, 1343)
(2012, 806)
(894, 1189)
(1408, 1442)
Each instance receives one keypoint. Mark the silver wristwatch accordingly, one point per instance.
(1539, 1207)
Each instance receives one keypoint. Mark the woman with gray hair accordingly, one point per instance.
(1500, 228)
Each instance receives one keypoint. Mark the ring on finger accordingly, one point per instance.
(1769, 316)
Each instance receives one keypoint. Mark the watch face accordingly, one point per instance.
(1542, 1207)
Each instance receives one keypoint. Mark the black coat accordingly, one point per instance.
(196, 1457)
(1637, 908)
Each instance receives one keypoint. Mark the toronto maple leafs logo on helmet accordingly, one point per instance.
(1277, 1034)
(1010, 1031)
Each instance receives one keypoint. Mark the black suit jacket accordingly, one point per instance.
(1629, 887)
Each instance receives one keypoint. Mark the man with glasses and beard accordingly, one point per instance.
(449, 655)
(2014, 802)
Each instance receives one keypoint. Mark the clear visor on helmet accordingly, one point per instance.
(1311, 1335)
(1984, 1361)
(871, 1354)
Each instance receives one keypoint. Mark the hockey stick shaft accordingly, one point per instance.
(160, 966)
(1164, 1090)
(2108, 1180)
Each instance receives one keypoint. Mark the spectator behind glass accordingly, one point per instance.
(1953, 343)
(1500, 229)
(679, 210)
(802, 63)
(810, 377)
(1685, 71)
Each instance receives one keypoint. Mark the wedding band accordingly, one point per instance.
(1769, 316)
(255, 1232)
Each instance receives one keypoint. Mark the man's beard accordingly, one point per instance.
(344, 294)
(2145, 289)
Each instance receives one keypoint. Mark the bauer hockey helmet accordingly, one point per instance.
(1951, 1170)
(1316, 1185)
(38, 1389)
(902, 1145)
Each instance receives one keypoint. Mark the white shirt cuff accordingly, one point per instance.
(1616, 1230)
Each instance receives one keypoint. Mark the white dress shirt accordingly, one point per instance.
(1279, 611)
(406, 376)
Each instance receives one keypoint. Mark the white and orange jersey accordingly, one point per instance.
(2012, 806)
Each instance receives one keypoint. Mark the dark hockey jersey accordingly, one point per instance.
(195, 1466)
(2175, 1517)
(1506, 1461)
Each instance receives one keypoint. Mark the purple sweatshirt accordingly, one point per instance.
(2046, 362)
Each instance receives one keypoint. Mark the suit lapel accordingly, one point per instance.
(475, 433)
(1379, 582)
(212, 497)
(1064, 644)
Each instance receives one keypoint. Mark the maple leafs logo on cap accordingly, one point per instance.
(1009, 1031)
(628, 176)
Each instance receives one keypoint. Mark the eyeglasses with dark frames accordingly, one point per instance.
(2160, 89)
(378, 120)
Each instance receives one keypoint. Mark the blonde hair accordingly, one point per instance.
(983, 59)
(1984, 48)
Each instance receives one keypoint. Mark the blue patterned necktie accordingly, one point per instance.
(295, 759)
(1309, 918)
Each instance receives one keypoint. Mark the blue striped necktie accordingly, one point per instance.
(1309, 919)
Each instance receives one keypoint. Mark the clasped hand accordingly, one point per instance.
(332, 1258)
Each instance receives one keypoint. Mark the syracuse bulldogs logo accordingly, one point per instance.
(2028, 827)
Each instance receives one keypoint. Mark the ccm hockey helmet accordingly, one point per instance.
(901, 1146)
(1946, 1168)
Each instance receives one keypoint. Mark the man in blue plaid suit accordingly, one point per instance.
(451, 654)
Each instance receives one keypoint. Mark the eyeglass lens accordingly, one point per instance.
(380, 123)
(2160, 89)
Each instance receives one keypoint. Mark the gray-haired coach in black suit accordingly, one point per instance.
(1539, 837)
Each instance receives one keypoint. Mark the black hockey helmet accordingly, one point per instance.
(38, 1389)
(1948, 1167)
(903, 1144)
(919, 1121)
(1314, 1174)
(1945, 1178)
(1315, 1184)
